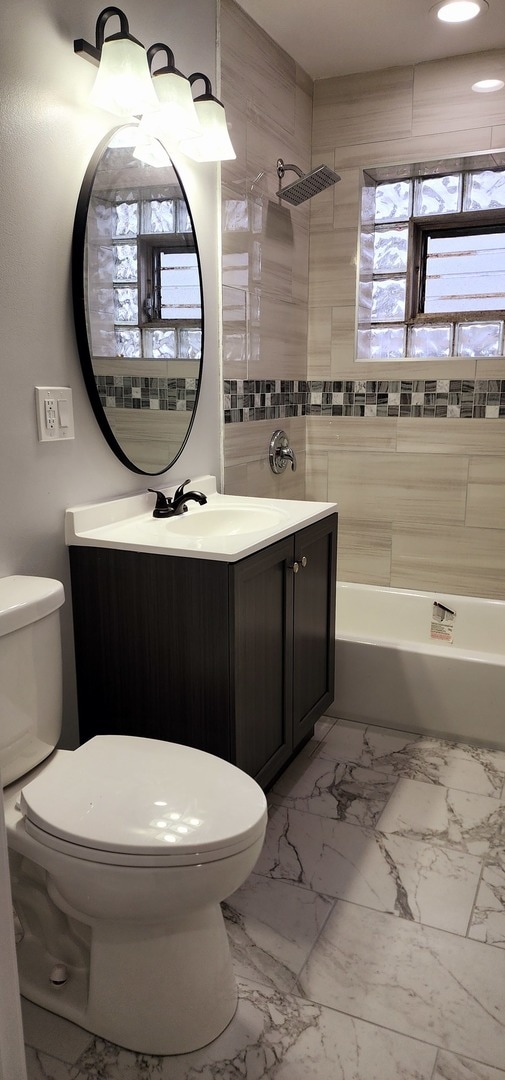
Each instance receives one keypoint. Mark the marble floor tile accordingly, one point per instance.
(417, 881)
(41, 1066)
(422, 982)
(52, 1034)
(276, 1037)
(272, 926)
(488, 921)
(417, 757)
(438, 815)
(333, 789)
(453, 1067)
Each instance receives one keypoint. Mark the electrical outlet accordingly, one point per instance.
(55, 417)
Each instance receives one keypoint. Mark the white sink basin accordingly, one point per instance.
(225, 521)
(226, 527)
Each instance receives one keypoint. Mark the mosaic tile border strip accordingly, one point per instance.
(139, 392)
(272, 399)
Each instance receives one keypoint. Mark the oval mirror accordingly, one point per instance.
(138, 302)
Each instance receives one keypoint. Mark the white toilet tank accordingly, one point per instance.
(30, 672)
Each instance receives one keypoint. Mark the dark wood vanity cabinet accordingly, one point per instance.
(233, 658)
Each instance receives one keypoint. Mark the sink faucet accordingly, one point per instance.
(167, 507)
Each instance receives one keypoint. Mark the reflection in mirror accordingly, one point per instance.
(138, 303)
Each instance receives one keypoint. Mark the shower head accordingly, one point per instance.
(307, 185)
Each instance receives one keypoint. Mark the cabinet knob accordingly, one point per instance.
(304, 561)
(295, 567)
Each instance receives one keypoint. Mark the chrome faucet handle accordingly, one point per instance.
(280, 452)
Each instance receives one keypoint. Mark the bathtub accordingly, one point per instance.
(404, 663)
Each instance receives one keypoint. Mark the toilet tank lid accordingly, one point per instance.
(24, 600)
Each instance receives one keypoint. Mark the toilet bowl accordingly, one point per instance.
(120, 853)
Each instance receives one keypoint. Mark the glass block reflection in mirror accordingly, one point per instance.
(128, 343)
(126, 219)
(125, 262)
(190, 344)
(390, 249)
(388, 300)
(479, 339)
(438, 195)
(393, 201)
(485, 190)
(430, 341)
(158, 216)
(125, 306)
(160, 344)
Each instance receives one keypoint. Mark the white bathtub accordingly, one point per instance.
(390, 671)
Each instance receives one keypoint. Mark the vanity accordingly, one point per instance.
(215, 630)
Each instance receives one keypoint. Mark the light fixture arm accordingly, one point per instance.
(208, 95)
(170, 68)
(93, 52)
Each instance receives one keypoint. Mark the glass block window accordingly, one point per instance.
(432, 265)
(156, 296)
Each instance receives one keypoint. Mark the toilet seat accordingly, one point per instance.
(130, 801)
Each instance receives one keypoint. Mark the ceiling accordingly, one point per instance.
(338, 37)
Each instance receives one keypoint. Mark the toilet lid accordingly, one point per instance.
(126, 799)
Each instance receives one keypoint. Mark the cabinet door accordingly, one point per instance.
(263, 633)
(314, 624)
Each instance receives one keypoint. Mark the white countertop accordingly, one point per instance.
(248, 524)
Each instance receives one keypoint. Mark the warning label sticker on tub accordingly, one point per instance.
(442, 623)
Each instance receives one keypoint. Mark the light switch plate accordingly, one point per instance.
(55, 415)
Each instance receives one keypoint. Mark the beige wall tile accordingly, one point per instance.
(319, 343)
(490, 369)
(364, 107)
(418, 435)
(265, 484)
(364, 551)
(337, 433)
(443, 99)
(498, 136)
(486, 493)
(254, 62)
(249, 442)
(398, 487)
(391, 151)
(332, 266)
(316, 476)
(456, 559)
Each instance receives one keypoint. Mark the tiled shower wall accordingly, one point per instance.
(268, 101)
(420, 485)
(421, 497)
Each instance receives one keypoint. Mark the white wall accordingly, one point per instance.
(48, 136)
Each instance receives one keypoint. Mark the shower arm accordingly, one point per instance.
(282, 168)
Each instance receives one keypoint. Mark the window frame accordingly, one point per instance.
(381, 337)
(420, 229)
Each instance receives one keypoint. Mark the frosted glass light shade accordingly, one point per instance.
(175, 117)
(150, 151)
(123, 84)
(214, 144)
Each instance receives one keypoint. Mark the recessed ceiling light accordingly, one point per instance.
(488, 86)
(455, 11)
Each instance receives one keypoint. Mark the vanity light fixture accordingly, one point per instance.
(214, 143)
(164, 102)
(123, 84)
(174, 116)
(457, 11)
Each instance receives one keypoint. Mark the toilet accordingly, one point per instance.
(120, 853)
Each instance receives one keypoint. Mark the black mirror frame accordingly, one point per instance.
(79, 309)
